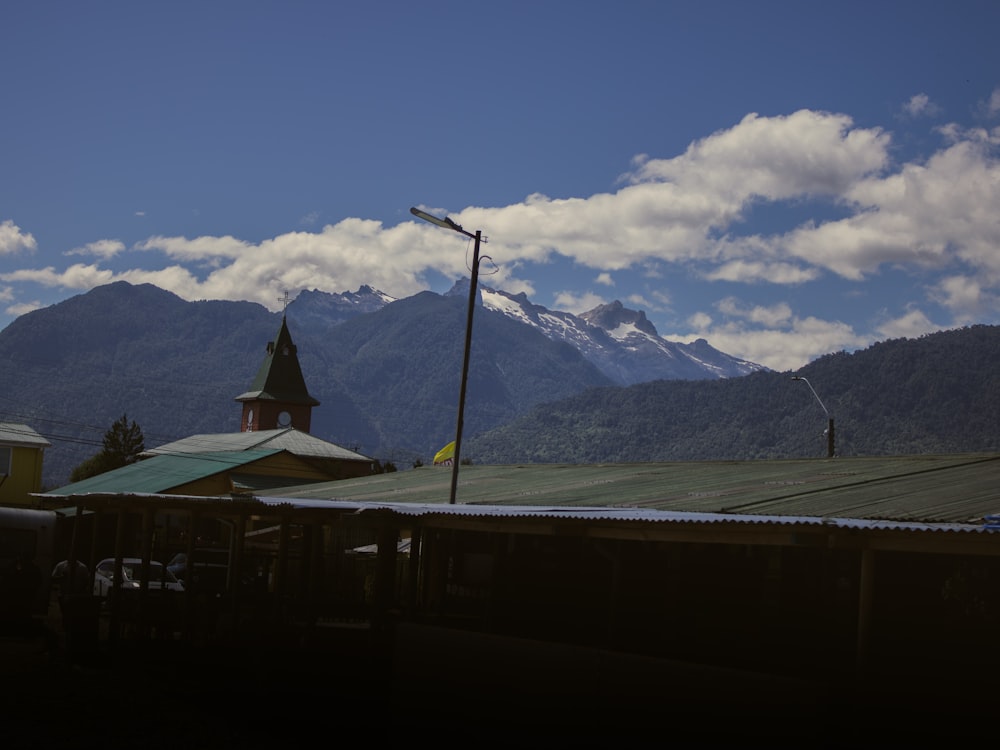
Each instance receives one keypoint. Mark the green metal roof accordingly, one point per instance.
(162, 473)
(963, 488)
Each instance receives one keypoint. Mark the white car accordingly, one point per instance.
(130, 576)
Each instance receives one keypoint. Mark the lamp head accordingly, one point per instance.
(445, 222)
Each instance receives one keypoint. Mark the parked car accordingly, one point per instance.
(130, 576)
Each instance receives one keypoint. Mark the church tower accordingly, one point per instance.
(278, 397)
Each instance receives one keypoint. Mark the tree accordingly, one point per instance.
(123, 442)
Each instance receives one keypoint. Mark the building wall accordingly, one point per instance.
(267, 416)
(25, 476)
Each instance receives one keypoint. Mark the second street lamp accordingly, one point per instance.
(829, 419)
(449, 224)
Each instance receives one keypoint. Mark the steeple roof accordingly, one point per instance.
(280, 376)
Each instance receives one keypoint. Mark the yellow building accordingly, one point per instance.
(21, 453)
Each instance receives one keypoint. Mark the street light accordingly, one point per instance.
(829, 428)
(449, 224)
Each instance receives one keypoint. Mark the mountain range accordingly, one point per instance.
(386, 371)
(543, 386)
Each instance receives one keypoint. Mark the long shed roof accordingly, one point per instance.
(959, 489)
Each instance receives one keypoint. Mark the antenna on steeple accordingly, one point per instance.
(284, 302)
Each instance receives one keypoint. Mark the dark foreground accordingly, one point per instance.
(452, 688)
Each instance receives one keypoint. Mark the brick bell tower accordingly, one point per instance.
(278, 397)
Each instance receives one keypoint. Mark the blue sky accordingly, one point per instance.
(783, 179)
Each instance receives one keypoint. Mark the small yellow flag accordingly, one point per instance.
(444, 456)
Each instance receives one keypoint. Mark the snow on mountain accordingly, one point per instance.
(320, 310)
(622, 343)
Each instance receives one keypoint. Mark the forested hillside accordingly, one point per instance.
(935, 394)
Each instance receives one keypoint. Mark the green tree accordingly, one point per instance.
(123, 442)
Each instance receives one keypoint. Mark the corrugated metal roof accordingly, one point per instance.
(940, 489)
(12, 433)
(160, 473)
(288, 438)
(613, 514)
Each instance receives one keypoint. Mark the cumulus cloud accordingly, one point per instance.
(23, 307)
(104, 249)
(768, 315)
(966, 298)
(911, 325)
(643, 303)
(920, 105)
(578, 303)
(789, 345)
(13, 240)
(689, 213)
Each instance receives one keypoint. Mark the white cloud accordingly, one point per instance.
(578, 303)
(77, 276)
(13, 240)
(641, 302)
(104, 249)
(747, 271)
(770, 335)
(923, 216)
(965, 298)
(23, 307)
(693, 211)
(993, 104)
(771, 315)
(911, 325)
(920, 105)
(787, 347)
(805, 153)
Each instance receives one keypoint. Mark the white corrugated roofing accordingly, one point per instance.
(618, 514)
(958, 489)
(12, 433)
(288, 438)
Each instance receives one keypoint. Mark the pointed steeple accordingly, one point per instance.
(278, 396)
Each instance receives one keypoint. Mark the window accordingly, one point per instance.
(5, 456)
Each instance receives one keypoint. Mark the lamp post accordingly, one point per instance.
(829, 419)
(449, 224)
